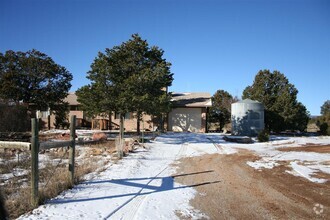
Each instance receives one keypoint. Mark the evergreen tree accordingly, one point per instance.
(324, 119)
(61, 115)
(282, 110)
(130, 77)
(325, 108)
(33, 78)
(220, 111)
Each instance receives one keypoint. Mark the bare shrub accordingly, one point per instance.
(53, 182)
(17, 200)
(14, 160)
(3, 211)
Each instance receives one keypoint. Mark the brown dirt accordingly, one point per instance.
(230, 189)
(308, 148)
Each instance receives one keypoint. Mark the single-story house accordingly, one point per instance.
(74, 109)
(188, 114)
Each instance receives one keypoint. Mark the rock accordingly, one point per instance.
(99, 136)
(63, 136)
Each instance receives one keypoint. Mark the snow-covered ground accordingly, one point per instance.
(140, 186)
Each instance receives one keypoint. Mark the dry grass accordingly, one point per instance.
(17, 202)
(53, 177)
(22, 161)
(56, 183)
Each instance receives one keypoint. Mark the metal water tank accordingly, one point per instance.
(247, 117)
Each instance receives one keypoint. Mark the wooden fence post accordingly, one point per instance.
(72, 147)
(34, 162)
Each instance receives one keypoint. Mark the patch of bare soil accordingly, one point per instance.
(237, 191)
(308, 148)
(321, 175)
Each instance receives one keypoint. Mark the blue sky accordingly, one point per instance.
(212, 44)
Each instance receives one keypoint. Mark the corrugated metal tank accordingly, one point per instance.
(247, 117)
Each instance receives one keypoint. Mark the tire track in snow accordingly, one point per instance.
(198, 150)
(222, 149)
(134, 207)
(134, 203)
(217, 146)
(182, 151)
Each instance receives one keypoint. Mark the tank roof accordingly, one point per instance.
(248, 101)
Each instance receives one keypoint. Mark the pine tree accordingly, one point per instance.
(33, 78)
(324, 119)
(220, 111)
(130, 77)
(325, 108)
(282, 110)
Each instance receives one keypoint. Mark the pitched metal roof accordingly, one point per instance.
(191, 99)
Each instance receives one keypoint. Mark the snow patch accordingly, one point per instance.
(16, 172)
(305, 171)
(262, 164)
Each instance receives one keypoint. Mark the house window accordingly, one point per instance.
(74, 108)
(128, 115)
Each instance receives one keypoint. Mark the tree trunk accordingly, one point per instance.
(110, 121)
(48, 121)
(161, 123)
(207, 120)
(138, 115)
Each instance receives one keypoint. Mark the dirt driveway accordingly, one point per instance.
(237, 191)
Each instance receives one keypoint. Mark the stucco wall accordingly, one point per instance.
(129, 124)
(187, 119)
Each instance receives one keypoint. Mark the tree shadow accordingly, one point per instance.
(184, 123)
(187, 137)
(248, 125)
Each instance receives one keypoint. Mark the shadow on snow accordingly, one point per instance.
(166, 185)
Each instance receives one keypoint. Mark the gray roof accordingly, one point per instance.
(191, 99)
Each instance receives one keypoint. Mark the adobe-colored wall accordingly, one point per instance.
(79, 119)
(129, 124)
